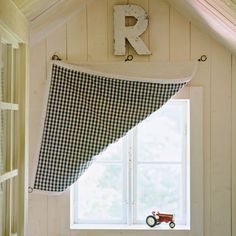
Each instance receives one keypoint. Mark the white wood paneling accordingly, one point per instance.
(179, 37)
(37, 203)
(54, 18)
(37, 101)
(233, 170)
(59, 215)
(159, 30)
(220, 141)
(97, 30)
(77, 43)
(38, 215)
(56, 43)
(200, 45)
(88, 36)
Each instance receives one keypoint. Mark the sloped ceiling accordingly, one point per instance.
(218, 17)
(35, 8)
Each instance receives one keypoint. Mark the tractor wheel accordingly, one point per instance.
(151, 221)
(172, 225)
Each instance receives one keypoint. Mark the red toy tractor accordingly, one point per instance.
(158, 218)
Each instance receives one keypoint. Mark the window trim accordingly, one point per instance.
(15, 218)
(195, 95)
(184, 166)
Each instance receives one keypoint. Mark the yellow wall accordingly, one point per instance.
(88, 36)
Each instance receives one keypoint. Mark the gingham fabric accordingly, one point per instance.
(85, 113)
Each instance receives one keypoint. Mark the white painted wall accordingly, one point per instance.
(88, 36)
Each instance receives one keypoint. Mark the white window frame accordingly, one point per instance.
(15, 177)
(184, 163)
(195, 96)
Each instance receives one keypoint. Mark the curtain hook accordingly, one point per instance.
(30, 189)
(55, 57)
(129, 58)
(203, 58)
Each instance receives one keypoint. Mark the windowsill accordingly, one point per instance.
(122, 227)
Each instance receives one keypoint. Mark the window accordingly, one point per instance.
(12, 140)
(8, 142)
(148, 169)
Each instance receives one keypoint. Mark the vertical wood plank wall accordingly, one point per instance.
(88, 36)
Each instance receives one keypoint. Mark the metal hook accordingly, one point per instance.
(203, 58)
(129, 58)
(30, 189)
(55, 57)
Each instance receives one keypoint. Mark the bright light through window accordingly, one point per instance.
(146, 170)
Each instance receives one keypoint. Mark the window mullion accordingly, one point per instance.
(9, 106)
(126, 185)
(185, 163)
(10, 99)
(10, 137)
(74, 210)
(133, 168)
(10, 72)
(8, 175)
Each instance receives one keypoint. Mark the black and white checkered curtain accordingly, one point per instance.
(87, 112)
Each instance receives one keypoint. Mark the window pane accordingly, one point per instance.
(160, 187)
(15, 204)
(15, 139)
(3, 141)
(100, 196)
(162, 136)
(2, 208)
(4, 84)
(16, 73)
